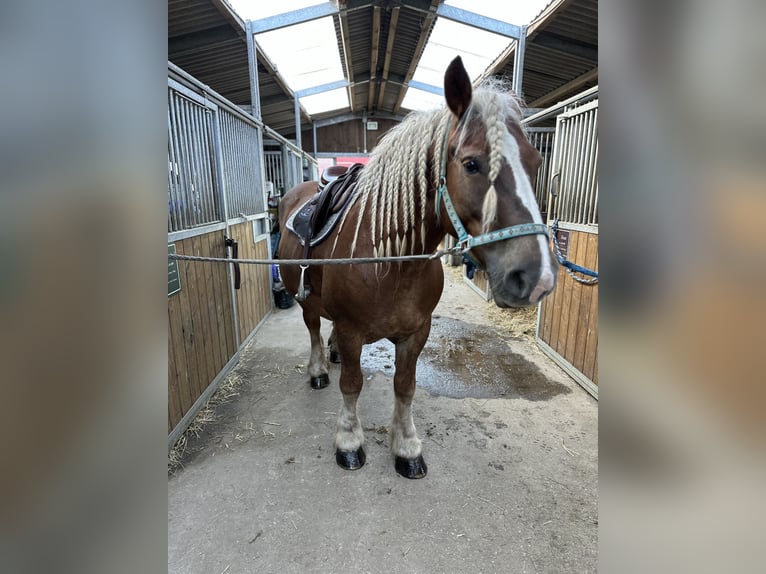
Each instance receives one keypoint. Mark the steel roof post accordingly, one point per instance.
(252, 66)
(298, 141)
(518, 63)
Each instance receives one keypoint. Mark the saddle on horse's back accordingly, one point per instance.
(316, 218)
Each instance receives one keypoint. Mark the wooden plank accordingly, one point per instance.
(176, 367)
(566, 302)
(588, 292)
(374, 51)
(244, 299)
(556, 309)
(595, 367)
(212, 308)
(198, 342)
(548, 314)
(222, 297)
(566, 297)
(394, 20)
(264, 283)
(191, 388)
(577, 327)
(248, 285)
(592, 339)
(225, 290)
(204, 334)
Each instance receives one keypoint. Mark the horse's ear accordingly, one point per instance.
(457, 87)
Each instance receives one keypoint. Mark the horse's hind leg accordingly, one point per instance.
(405, 444)
(332, 342)
(319, 378)
(349, 436)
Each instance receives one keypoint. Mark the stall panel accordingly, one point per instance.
(200, 324)
(254, 299)
(569, 316)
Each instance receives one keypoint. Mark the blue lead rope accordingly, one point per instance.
(568, 264)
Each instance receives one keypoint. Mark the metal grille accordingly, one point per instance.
(542, 140)
(274, 171)
(193, 198)
(241, 157)
(576, 161)
(294, 169)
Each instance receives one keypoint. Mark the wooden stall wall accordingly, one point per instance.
(346, 137)
(254, 299)
(479, 283)
(200, 324)
(568, 320)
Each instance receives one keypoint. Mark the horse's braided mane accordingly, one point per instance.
(394, 185)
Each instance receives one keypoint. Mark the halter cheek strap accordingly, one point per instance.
(465, 241)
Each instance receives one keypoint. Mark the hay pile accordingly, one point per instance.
(226, 391)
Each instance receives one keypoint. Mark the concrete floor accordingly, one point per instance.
(509, 439)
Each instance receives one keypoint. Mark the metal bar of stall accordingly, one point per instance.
(579, 167)
(589, 164)
(174, 209)
(592, 169)
(186, 142)
(217, 143)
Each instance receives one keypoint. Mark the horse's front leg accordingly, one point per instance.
(349, 437)
(405, 444)
(332, 342)
(319, 378)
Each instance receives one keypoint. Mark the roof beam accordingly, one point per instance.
(427, 26)
(397, 80)
(427, 88)
(374, 49)
(389, 49)
(355, 117)
(345, 37)
(294, 17)
(570, 86)
(478, 21)
(321, 88)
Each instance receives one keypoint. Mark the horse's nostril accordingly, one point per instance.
(519, 283)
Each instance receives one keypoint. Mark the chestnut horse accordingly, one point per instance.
(466, 170)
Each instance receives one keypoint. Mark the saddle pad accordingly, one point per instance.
(323, 233)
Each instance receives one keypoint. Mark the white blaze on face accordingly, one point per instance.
(524, 190)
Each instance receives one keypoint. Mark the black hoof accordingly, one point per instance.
(411, 468)
(334, 357)
(350, 460)
(320, 382)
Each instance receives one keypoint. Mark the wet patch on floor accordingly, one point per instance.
(465, 360)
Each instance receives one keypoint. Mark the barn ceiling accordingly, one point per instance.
(380, 43)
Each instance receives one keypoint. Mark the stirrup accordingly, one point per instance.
(303, 290)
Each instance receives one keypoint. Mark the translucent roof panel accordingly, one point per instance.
(478, 48)
(325, 101)
(416, 99)
(305, 55)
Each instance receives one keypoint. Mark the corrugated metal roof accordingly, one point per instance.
(207, 39)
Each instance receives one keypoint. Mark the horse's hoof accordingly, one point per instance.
(334, 357)
(350, 460)
(411, 468)
(320, 382)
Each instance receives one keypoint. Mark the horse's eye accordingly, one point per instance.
(471, 166)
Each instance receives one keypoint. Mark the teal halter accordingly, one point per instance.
(465, 241)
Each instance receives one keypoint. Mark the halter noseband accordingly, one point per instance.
(465, 241)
